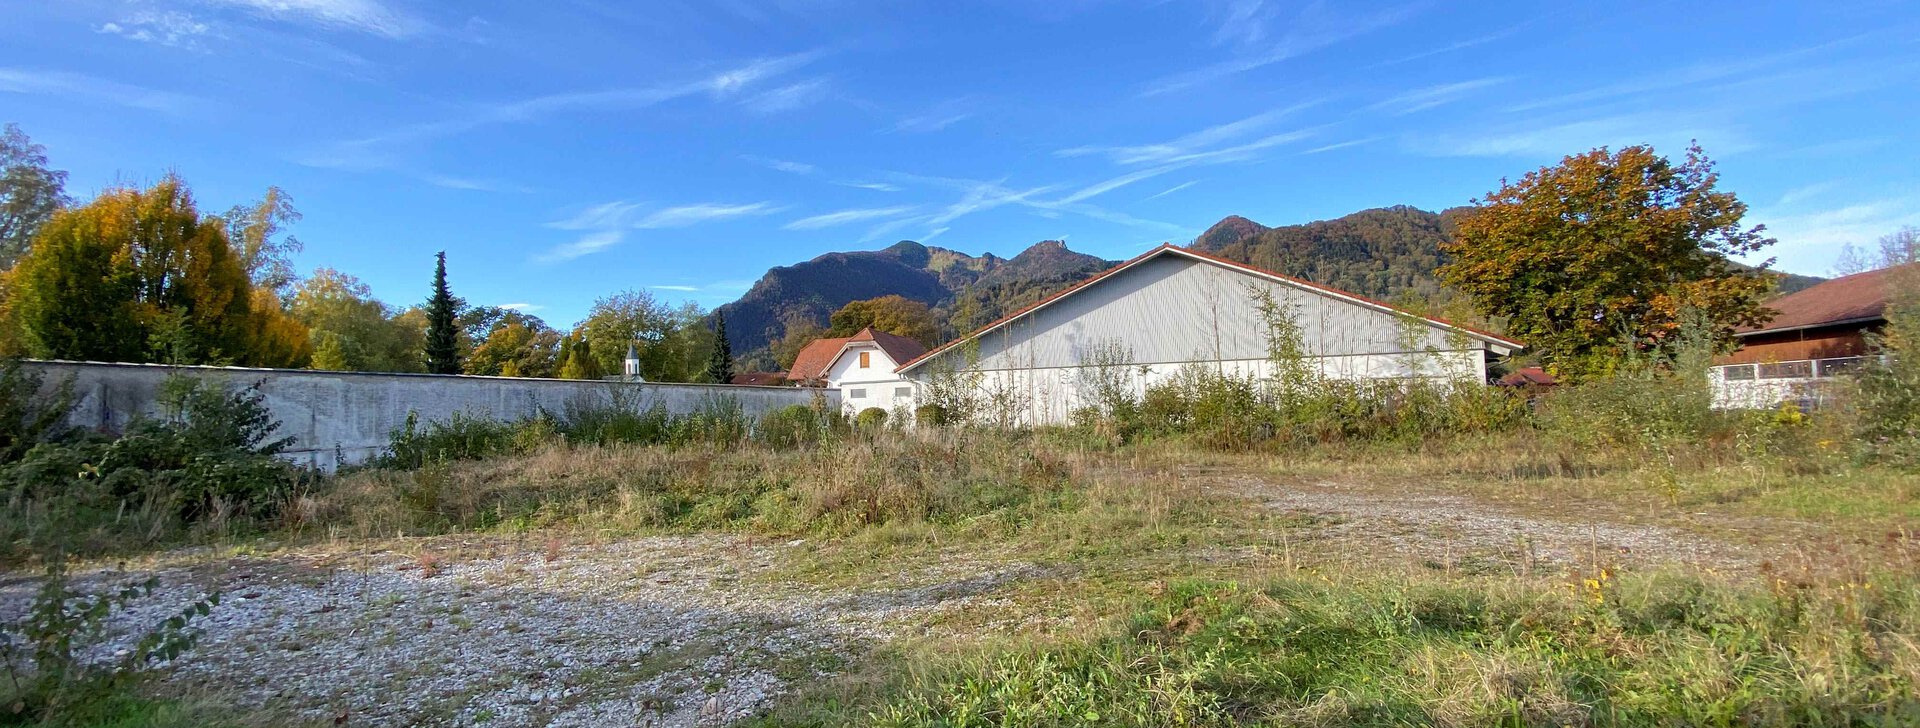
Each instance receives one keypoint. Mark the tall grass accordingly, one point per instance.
(1652, 650)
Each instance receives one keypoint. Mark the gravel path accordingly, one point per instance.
(1456, 531)
(650, 632)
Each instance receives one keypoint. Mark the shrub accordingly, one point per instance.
(45, 652)
(27, 416)
(459, 437)
(871, 419)
(793, 426)
(932, 415)
(209, 463)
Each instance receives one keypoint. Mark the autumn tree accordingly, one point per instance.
(518, 345)
(799, 334)
(255, 232)
(896, 315)
(720, 363)
(443, 337)
(138, 275)
(1608, 250)
(30, 192)
(580, 362)
(353, 331)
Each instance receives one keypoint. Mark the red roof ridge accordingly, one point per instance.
(1165, 247)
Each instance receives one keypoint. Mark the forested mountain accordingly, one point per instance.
(978, 288)
(1381, 253)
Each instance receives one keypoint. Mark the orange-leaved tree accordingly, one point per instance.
(1609, 250)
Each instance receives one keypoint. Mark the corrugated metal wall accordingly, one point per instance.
(1174, 309)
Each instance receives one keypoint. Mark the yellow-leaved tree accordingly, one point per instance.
(137, 275)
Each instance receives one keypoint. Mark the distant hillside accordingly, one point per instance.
(941, 278)
(1381, 253)
(1378, 253)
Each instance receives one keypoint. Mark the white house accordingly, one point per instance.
(1172, 308)
(862, 368)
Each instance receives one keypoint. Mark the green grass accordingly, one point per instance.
(1658, 649)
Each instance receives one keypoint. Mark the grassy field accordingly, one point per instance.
(1502, 578)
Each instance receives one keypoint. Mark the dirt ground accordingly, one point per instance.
(704, 630)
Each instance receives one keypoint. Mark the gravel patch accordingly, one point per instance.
(1454, 530)
(672, 631)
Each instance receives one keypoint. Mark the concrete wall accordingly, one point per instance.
(347, 416)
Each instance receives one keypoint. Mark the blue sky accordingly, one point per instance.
(565, 149)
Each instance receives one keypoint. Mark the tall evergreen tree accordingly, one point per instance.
(443, 336)
(720, 364)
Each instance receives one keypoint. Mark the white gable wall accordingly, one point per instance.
(875, 386)
(1172, 311)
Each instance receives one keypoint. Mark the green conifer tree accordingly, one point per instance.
(720, 363)
(443, 334)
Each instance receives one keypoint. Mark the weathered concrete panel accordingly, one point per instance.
(339, 417)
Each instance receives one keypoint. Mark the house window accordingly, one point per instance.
(856, 394)
(1787, 370)
(1737, 372)
(864, 361)
(902, 391)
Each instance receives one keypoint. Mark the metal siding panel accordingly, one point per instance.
(1174, 309)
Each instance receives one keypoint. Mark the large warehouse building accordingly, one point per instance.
(1173, 308)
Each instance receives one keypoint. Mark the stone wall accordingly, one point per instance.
(337, 417)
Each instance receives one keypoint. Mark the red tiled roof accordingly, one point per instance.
(1171, 248)
(761, 379)
(1861, 297)
(815, 358)
(1528, 376)
(898, 348)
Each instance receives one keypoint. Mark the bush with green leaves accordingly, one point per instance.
(51, 653)
(871, 419)
(207, 463)
(28, 415)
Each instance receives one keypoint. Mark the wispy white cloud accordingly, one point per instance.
(1543, 139)
(788, 97)
(978, 196)
(588, 244)
(1342, 145)
(1170, 190)
(686, 215)
(521, 307)
(940, 116)
(1461, 44)
(1689, 76)
(1421, 99)
(1104, 186)
(781, 165)
(1804, 193)
(607, 224)
(365, 16)
(36, 82)
(376, 151)
(875, 186)
(169, 28)
(1809, 242)
(934, 233)
(1194, 146)
(685, 289)
(1316, 26)
(844, 217)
